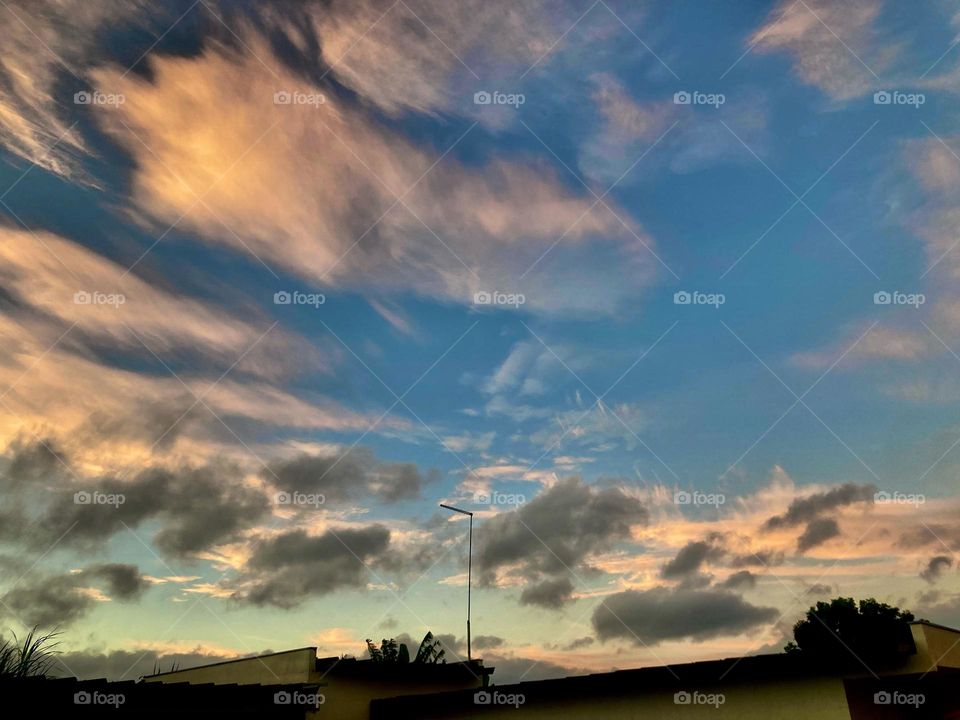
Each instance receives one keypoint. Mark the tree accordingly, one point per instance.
(34, 657)
(391, 652)
(842, 631)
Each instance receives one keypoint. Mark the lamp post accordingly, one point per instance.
(469, 567)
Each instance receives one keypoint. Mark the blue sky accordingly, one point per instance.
(486, 303)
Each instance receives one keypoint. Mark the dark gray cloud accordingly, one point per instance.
(819, 589)
(804, 510)
(198, 508)
(738, 580)
(552, 594)
(760, 558)
(56, 600)
(579, 643)
(513, 668)
(935, 568)
(817, 532)
(286, 570)
(485, 642)
(355, 475)
(557, 532)
(691, 558)
(659, 614)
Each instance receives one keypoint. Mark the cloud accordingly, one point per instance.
(285, 570)
(555, 533)
(935, 568)
(809, 508)
(691, 558)
(351, 475)
(197, 509)
(833, 46)
(132, 664)
(485, 642)
(817, 532)
(332, 174)
(744, 579)
(56, 600)
(653, 616)
(551, 594)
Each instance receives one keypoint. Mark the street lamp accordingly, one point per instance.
(469, 567)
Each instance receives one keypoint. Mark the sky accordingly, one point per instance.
(664, 293)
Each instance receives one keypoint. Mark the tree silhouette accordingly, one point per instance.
(840, 631)
(391, 652)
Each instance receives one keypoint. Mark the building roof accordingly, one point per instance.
(352, 667)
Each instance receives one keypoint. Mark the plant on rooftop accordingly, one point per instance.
(391, 652)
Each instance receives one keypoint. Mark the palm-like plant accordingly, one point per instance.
(35, 656)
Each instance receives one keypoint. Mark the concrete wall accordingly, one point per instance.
(349, 698)
(293, 666)
(815, 699)
(935, 646)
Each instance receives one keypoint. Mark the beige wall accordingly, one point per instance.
(350, 698)
(935, 646)
(821, 699)
(293, 666)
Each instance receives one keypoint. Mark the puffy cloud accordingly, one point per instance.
(810, 507)
(744, 579)
(285, 570)
(833, 46)
(197, 508)
(816, 533)
(131, 664)
(935, 567)
(653, 616)
(691, 558)
(552, 594)
(557, 532)
(56, 600)
(351, 475)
